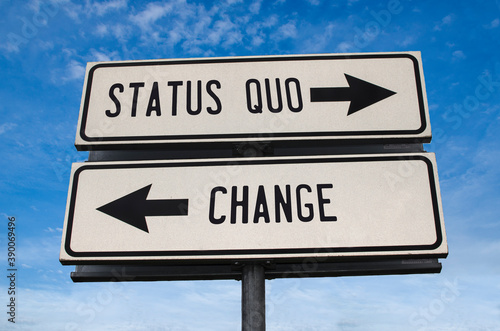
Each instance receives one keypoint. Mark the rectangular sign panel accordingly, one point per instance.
(288, 208)
(376, 96)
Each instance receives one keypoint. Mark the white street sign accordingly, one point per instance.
(376, 96)
(354, 206)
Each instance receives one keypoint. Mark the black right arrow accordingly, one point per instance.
(360, 93)
(134, 207)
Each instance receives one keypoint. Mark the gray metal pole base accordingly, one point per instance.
(253, 298)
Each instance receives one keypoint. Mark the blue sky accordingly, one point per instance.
(44, 47)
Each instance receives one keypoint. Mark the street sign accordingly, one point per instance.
(287, 208)
(307, 98)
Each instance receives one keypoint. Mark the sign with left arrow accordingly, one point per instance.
(281, 99)
(290, 208)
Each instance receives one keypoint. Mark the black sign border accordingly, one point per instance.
(266, 253)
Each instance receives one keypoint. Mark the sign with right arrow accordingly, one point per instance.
(372, 96)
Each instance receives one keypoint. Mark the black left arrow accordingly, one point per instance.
(360, 93)
(134, 207)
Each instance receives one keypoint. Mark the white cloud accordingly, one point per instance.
(45, 45)
(74, 70)
(101, 8)
(74, 11)
(103, 56)
(151, 14)
(447, 20)
(6, 127)
(255, 28)
(270, 21)
(126, 306)
(198, 29)
(257, 41)
(287, 30)
(52, 230)
(117, 30)
(408, 40)
(255, 7)
(90, 9)
(226, 31)
(46, 5)
(493, 24)
(120, 31)
(344, 47)
(458, 55)
(324, 39)
(101, 30)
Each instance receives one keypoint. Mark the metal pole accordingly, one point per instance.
(253, 298)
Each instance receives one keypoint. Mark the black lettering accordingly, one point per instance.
(154, 98)
(261, 202)
(307, 205)
(188, 99)
(269, 99)
(243, 203)
(136, 87)
(257, 108)
(211, 214)
(210, 110)
(279, 201)
(322, 201)
(289, 96)
(115, 100)
(174, 85)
